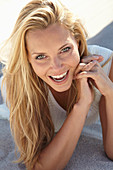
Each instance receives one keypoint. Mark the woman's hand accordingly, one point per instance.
(92, 69)
(87, 59)
(85, 91)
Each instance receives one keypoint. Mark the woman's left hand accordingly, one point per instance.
(91, 68)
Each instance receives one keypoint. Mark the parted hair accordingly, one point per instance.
(26, 94)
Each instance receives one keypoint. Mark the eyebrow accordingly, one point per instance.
(38, 53)
(63, 46)
(42, 53)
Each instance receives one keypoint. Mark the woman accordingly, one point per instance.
(51, 80)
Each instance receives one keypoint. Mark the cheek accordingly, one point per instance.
(75, 59)
(38, 69)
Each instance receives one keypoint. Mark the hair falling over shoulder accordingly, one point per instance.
(27, 95)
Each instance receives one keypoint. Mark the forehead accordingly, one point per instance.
(55, 34)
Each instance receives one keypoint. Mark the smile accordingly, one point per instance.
(60, 78)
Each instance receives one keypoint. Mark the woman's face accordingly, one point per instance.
(53, 54)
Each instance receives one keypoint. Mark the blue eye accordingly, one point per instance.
(40, 57)
(66, 49)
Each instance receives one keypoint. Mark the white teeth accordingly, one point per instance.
(60, 76)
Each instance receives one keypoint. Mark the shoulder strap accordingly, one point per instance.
(107, 60)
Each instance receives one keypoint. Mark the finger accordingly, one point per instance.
(87, 59)
(89, 66)
(92, 66)
(87, 74)
(97, 64)
(100, 59)
(78, 69)
(85, 67)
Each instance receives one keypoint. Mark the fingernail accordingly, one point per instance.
(101, 56)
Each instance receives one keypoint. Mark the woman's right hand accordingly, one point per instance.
(85, 91)
(84, 85)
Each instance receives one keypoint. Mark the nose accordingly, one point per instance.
(56, 63)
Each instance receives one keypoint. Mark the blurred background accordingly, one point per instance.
(95, 15)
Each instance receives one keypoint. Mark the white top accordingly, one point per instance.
(59, 114)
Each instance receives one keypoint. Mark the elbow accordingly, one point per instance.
(38, 167)
(109, 154)
(41, 167)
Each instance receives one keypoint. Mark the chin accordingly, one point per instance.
(61, 89)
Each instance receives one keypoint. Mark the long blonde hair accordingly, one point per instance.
(27, 95)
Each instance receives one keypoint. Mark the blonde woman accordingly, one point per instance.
(55, 86)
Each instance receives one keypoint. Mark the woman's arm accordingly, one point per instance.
(57, 154)
(105, 85)
(106, 116)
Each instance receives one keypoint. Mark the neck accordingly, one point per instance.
(61, 97)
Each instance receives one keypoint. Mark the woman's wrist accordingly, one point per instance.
(81, 108)
(109, 92)
(84, 103)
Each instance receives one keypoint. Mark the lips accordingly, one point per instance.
(60, 78)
